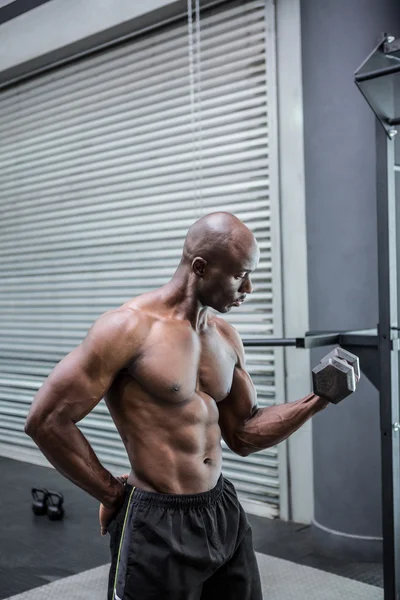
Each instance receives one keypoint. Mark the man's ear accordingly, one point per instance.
(199, 266)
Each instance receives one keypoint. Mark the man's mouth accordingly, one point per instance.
(239, 301)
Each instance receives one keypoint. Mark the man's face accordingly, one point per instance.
(227, 281)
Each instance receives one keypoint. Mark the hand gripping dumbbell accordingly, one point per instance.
(336, 376)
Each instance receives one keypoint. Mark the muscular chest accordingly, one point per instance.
(178, 363)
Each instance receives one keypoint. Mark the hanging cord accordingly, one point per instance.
(199, 115)
(195, 101)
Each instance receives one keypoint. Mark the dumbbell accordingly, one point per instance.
(48, 503)
(336, 376)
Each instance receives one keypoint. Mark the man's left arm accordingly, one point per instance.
(245, 427)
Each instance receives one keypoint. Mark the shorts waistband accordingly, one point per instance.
(176, 500)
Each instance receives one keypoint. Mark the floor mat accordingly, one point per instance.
(282, 580)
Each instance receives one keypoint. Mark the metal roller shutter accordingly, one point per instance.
(97, 167)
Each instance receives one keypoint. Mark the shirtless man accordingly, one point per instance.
(174, 379)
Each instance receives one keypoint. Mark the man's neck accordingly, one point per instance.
(178, 295)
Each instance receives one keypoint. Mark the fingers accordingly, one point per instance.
(106, 515)
(123, 478)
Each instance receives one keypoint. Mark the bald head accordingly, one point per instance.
(219, 255)
(218, 235)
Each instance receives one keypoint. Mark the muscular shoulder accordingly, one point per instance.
(117, 332)
(120, 322)
(232, 337)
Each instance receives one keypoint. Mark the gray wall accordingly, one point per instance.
(339, 137)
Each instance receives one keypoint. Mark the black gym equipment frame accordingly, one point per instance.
(378, 78)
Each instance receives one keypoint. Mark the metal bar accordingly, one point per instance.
(311, 341)
(363, 337)
(358, 339)
(270, 342)
(388, 362)
(377, 73)
(315, 341)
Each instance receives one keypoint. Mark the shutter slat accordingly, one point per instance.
(158, 149)
(118, 133)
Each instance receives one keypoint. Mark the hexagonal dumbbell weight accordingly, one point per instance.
(336, 376)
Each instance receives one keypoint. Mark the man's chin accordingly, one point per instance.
(221, 309)
(225, 309)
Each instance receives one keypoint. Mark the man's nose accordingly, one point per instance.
(247, 286)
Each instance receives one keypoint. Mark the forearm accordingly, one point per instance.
(70, 453)
(270, 426)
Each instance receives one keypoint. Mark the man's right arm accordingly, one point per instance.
(72, 390)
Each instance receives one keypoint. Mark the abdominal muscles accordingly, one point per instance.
(173, 446)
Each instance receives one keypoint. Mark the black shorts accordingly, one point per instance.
(183, 547)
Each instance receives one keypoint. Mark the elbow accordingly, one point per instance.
(41, 426)
(243, 451)
(240, 448)
(31, 427)
(241, 445)
(37, 425)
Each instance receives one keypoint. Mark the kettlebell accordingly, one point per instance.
(39, 505)
(55, 508)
